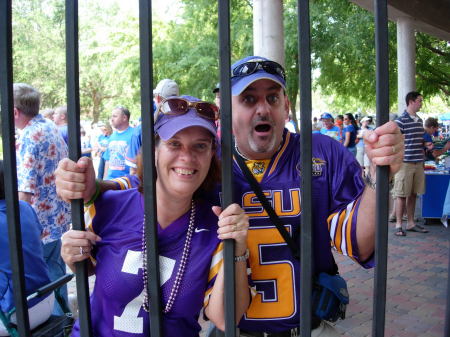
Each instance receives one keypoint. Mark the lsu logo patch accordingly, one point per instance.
(317, 167)
(258, 167)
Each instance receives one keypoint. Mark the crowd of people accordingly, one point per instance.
(191, 222)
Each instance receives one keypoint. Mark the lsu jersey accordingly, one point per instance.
(337, 188)
(116, 300)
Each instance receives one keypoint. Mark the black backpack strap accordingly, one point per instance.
(262, 198)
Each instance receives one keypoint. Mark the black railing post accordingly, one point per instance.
(73, 113)
(306, 237)
(227, 160)
(148, 148)
(447, 310)
(382, 191)
(10, 174)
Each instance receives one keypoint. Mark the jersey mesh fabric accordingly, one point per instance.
(116, 301)
(337, 186)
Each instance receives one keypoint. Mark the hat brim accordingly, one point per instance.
(241, 83)
(174, 124)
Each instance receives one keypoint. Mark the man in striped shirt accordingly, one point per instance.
(410, 180)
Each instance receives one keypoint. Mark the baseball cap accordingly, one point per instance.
(240, 82)
(166, 88)
(326, 115)
(217, 88)
(167, 126)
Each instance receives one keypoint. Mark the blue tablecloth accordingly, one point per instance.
(446, 209)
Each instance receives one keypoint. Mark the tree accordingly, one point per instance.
(186, 50)
(433, 66)
(343, 55)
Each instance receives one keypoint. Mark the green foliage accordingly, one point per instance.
(343, 47)
(38, 48)
(433, 67)
(186, 50)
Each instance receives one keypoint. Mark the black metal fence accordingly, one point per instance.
(6, 81)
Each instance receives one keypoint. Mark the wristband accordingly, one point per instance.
(242, 257)
(96, 194)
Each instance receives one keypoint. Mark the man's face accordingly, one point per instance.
(259, 115)
(118, 119)
(59, 118)
(327, 123)
(431, 130)
(416, 105)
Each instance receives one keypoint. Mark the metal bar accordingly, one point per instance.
(10, 174)
(306, 238)
(382, 192)
(227, 160)
(148, 146)
(73, 113)
(447, 310)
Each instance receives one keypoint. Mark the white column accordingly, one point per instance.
(268, 30)
(406, 60)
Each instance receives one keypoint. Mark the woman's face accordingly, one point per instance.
(346, 120)
(183, 162)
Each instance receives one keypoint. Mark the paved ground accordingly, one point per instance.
(416, 287)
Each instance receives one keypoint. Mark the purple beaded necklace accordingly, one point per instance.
(181, 268)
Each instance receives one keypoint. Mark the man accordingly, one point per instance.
(60, 119)
(39, 148)
(165, 88)
(260, 107)
(410, 180)
(328, 127)
(119, 142)
(431, 126)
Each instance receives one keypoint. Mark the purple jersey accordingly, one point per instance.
(336, 191)
(116, 301)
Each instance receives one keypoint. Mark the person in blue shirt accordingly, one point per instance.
(349, 133)
(431, 126)
(115, 165)
(102, 142)
(329, 128)
(35, 268)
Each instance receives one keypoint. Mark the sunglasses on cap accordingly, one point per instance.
(251, 67)
(179, 106)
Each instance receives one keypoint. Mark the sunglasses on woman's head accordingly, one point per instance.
(251, 67)
(179, 106)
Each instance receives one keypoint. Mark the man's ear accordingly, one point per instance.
(16, 112)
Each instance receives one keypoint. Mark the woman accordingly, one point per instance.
(350, 130)
(361, 155)
(35, 268)
(188, 236)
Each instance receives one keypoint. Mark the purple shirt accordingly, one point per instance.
(116, 301)
(337, 187)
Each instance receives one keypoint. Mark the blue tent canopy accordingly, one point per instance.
(445, 117)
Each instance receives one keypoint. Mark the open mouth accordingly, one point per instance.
(263, 128)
